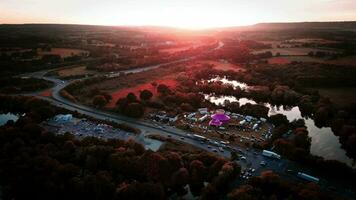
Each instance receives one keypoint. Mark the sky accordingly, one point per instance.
(192, 14)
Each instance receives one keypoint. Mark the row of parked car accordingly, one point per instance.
(247, 173)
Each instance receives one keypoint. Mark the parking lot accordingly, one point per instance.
(81, 128)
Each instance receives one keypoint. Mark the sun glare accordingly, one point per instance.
(197, 14)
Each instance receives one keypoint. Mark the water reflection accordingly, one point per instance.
(6, 117)
(324, 143)
(234, 83)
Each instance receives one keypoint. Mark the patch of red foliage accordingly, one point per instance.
(47, 93)
(279, 61)
(171, 83)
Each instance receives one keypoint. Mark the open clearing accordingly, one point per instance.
(174, 50)
(221, 65)
(64, 52)
(293, 51)
(289, 59)
(47, 93)
(350, 60)
(74, 71)
(279, 60)
(171, 83)
(312, 41)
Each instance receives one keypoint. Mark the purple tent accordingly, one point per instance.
(219, 118)
(214, 122)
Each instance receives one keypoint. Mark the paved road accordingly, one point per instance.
(253, 157)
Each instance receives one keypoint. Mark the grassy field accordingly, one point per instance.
(63, 52)
(292, 51)
(174, 145)
(279, 60)
(350, 60)
(174, 50)
(312, 40)
(136, 90)
(74, 71)
(222, 65)
(289, 59)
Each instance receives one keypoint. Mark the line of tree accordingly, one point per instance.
(41, 165)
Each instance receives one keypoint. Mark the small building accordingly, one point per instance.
(203, 118)
(63, 118)
(163, 116)
(219, 118)
(255, 126)
(248, 118)
(191, 115)
(263, 119)
(203, 111)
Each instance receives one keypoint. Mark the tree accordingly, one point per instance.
(99, 100)
(154, 84)
(145, 95)
(186, 107)
(131, 97)
(245, 192)
(180, 178)
(234, 155)
(197, 176)
(163, 89)
(134, 110)
(278, 119)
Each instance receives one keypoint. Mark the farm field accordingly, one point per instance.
(222, 65)
(64, 52)
(47, 93)
(174, 50)
(75, 71)
(312, 40)
(292, 51)
(349, 60)
(289, 59)
(171, 83)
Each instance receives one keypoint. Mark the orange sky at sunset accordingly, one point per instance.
(183, 13)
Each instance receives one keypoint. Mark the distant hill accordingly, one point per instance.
(345, 26)
(308, 25)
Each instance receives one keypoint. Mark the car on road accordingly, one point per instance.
(221, 149)
(169, 135)
(214, 150)
(209, 146)
(251, 170)
(182, 138)
(263, 163)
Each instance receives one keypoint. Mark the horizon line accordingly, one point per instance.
(183, 28)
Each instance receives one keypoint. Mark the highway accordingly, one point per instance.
(252, 158)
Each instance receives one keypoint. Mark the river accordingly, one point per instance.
(6, 117)
(324, 143)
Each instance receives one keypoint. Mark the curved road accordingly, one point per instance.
(253, 157)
